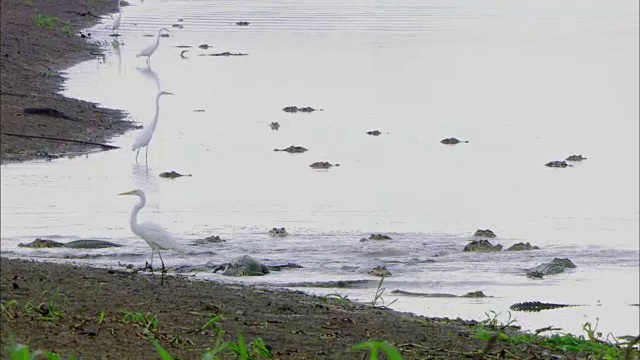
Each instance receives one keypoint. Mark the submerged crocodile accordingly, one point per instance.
(274, 125)
(537, 306)
(556, 266)
(380, 271)
(293, 149)
(278, 232)
(248, 266)
(522, 246)
(474, 294)
(484, 233)
(452, 141)
(213, 239)
(295, 109)
(482, 245)
(77, 244)
(575, 158)
(374, 133)
(172, 174)
(377, 237)
(322, 165)
(557, 164)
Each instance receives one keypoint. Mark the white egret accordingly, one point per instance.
(144, 137)
(116, 21)
(152, 48)
(156, 237)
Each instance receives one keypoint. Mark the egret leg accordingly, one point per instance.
(151, 265)
(137, 155)
(162, 271)
(146, 159)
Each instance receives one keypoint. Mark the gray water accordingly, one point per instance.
(525, 83)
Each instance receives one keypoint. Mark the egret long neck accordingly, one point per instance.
(133, 221)
(154, 122)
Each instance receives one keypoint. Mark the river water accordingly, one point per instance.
(525, 83)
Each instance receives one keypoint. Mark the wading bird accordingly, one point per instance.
(156, 237)
(152, 48)
(144, 137)
(116, 21)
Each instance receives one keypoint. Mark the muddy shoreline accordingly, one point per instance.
(84, 311)
(39, 40)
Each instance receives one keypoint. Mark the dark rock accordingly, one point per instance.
(293, 149)
(522, 246)
(452, 141)
(484, 233)
(482, 245)
(214, 239)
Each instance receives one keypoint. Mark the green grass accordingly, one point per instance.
(44, 20)
(47, 311)
(593, 344)
(148, 322)
(377, 298)
(373, 346)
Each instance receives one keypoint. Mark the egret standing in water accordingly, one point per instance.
(156, 237)
(116, 21)
(152, 48)
(144, 137)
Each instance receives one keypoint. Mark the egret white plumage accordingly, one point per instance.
(152, 48)
(155, 235)
(144, 136)
(116, 21)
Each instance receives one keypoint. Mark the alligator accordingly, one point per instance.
(482, 245)
(293, 149)
(248, 266)
(556, 266)
(380, 271)
(295, 109)
(172, 174)
(279, 232)
(77, 244)
(242, 23)
(214, 239)
(322, 165)
(484, 233)
(522, 246)
(226, 53)
(452, 141)
(535, 306)
(557, 164)
(473, 294)
(377, 237)
(575, 158)
(374, 133)
(274, 125)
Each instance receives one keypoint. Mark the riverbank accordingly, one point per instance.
(39, 39)
(59, 307)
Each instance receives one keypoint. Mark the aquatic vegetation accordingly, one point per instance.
(49, 311)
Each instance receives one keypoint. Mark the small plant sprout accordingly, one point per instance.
(373, 346)
(378, 295)
(101, 318)
(44, 20)
(213, 323)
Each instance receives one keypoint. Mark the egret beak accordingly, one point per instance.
(168, 93)
(132, 192)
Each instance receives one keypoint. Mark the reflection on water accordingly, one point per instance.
(524, 83)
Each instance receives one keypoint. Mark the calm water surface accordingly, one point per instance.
(525, 83)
